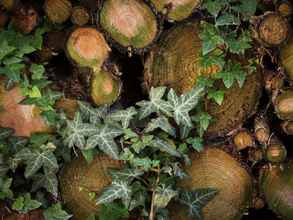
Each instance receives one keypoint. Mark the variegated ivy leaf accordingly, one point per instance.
(35, 159)
(48, 181)
(196, 200)
(183, 104)
(126, 174)
(117, 190)
(77, 131)
(123, 116)
(91, 114)
(184, 131)
(163, 196)
(103, 137)
(156, 103)
(163, 123)
(165, 146)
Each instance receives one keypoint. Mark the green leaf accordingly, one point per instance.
(5, 133)
(5, 184)
(165, 146)
(24, 204)
(214, 6)
(163, 123)
(89, 154)
(156, 104)
(238, 45)
(163, 196)
(113, 211)
(246, 8)
(48, 181)
(103, 137)
(77, 131)
(55, 212)
(91, 114)
(37, 71)
(196, 143)
(117, 190)
(5, 49)
(126, 174)
(210, 37)
(217, 96)
(203, 119)
(184, 104)
(35, 159)
(123, 116)
(196, 200)
(227, 19)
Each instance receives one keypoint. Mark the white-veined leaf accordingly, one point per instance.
(91, 114)
(183, 104)
(103, 137)
(123, 116)
(163, 196)
(162, 123)
(48, 181)
(118, 190)
(156, 103)
(165, 146)
(196, 200)
(126, 174)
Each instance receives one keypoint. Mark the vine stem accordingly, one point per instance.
(153, 209)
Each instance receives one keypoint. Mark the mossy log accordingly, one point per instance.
(87, 47)
(105, 87)
(243, 140)
(287, 127)
(81, 183)
(176, 10)
(58, 11)
(24, 119)
(80, 16)
(284, 7)
(262, 130)
(286, 56)
(175, 61)
(214, 168)
(284, 105)
(277, 186)
(239, 104)
(130, 24)
(276, 152)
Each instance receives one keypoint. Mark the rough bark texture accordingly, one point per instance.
(284, 105)
(58, 11)
(287, 58)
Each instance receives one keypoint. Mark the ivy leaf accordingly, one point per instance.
(156, 104)
(48, 181)
(165, 146)
(5, 184)
(246, 8)
(37, 71)
(91, 114)
(163, 196)
(76, 132)
(126, 174)
(103, 137)
(196, 143)
(5, 133)
(227, 19)
(238, 45)
(217, 96)
(184, 131)
(162, 123)
(196, 200)
(184, 104)
(214, 6)
(35, 159)
(203, 119)
(6, 49)
(210, 37)
(55, 212)
(117, 190)
(113, 211)
(24, 204)
(123, 116)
